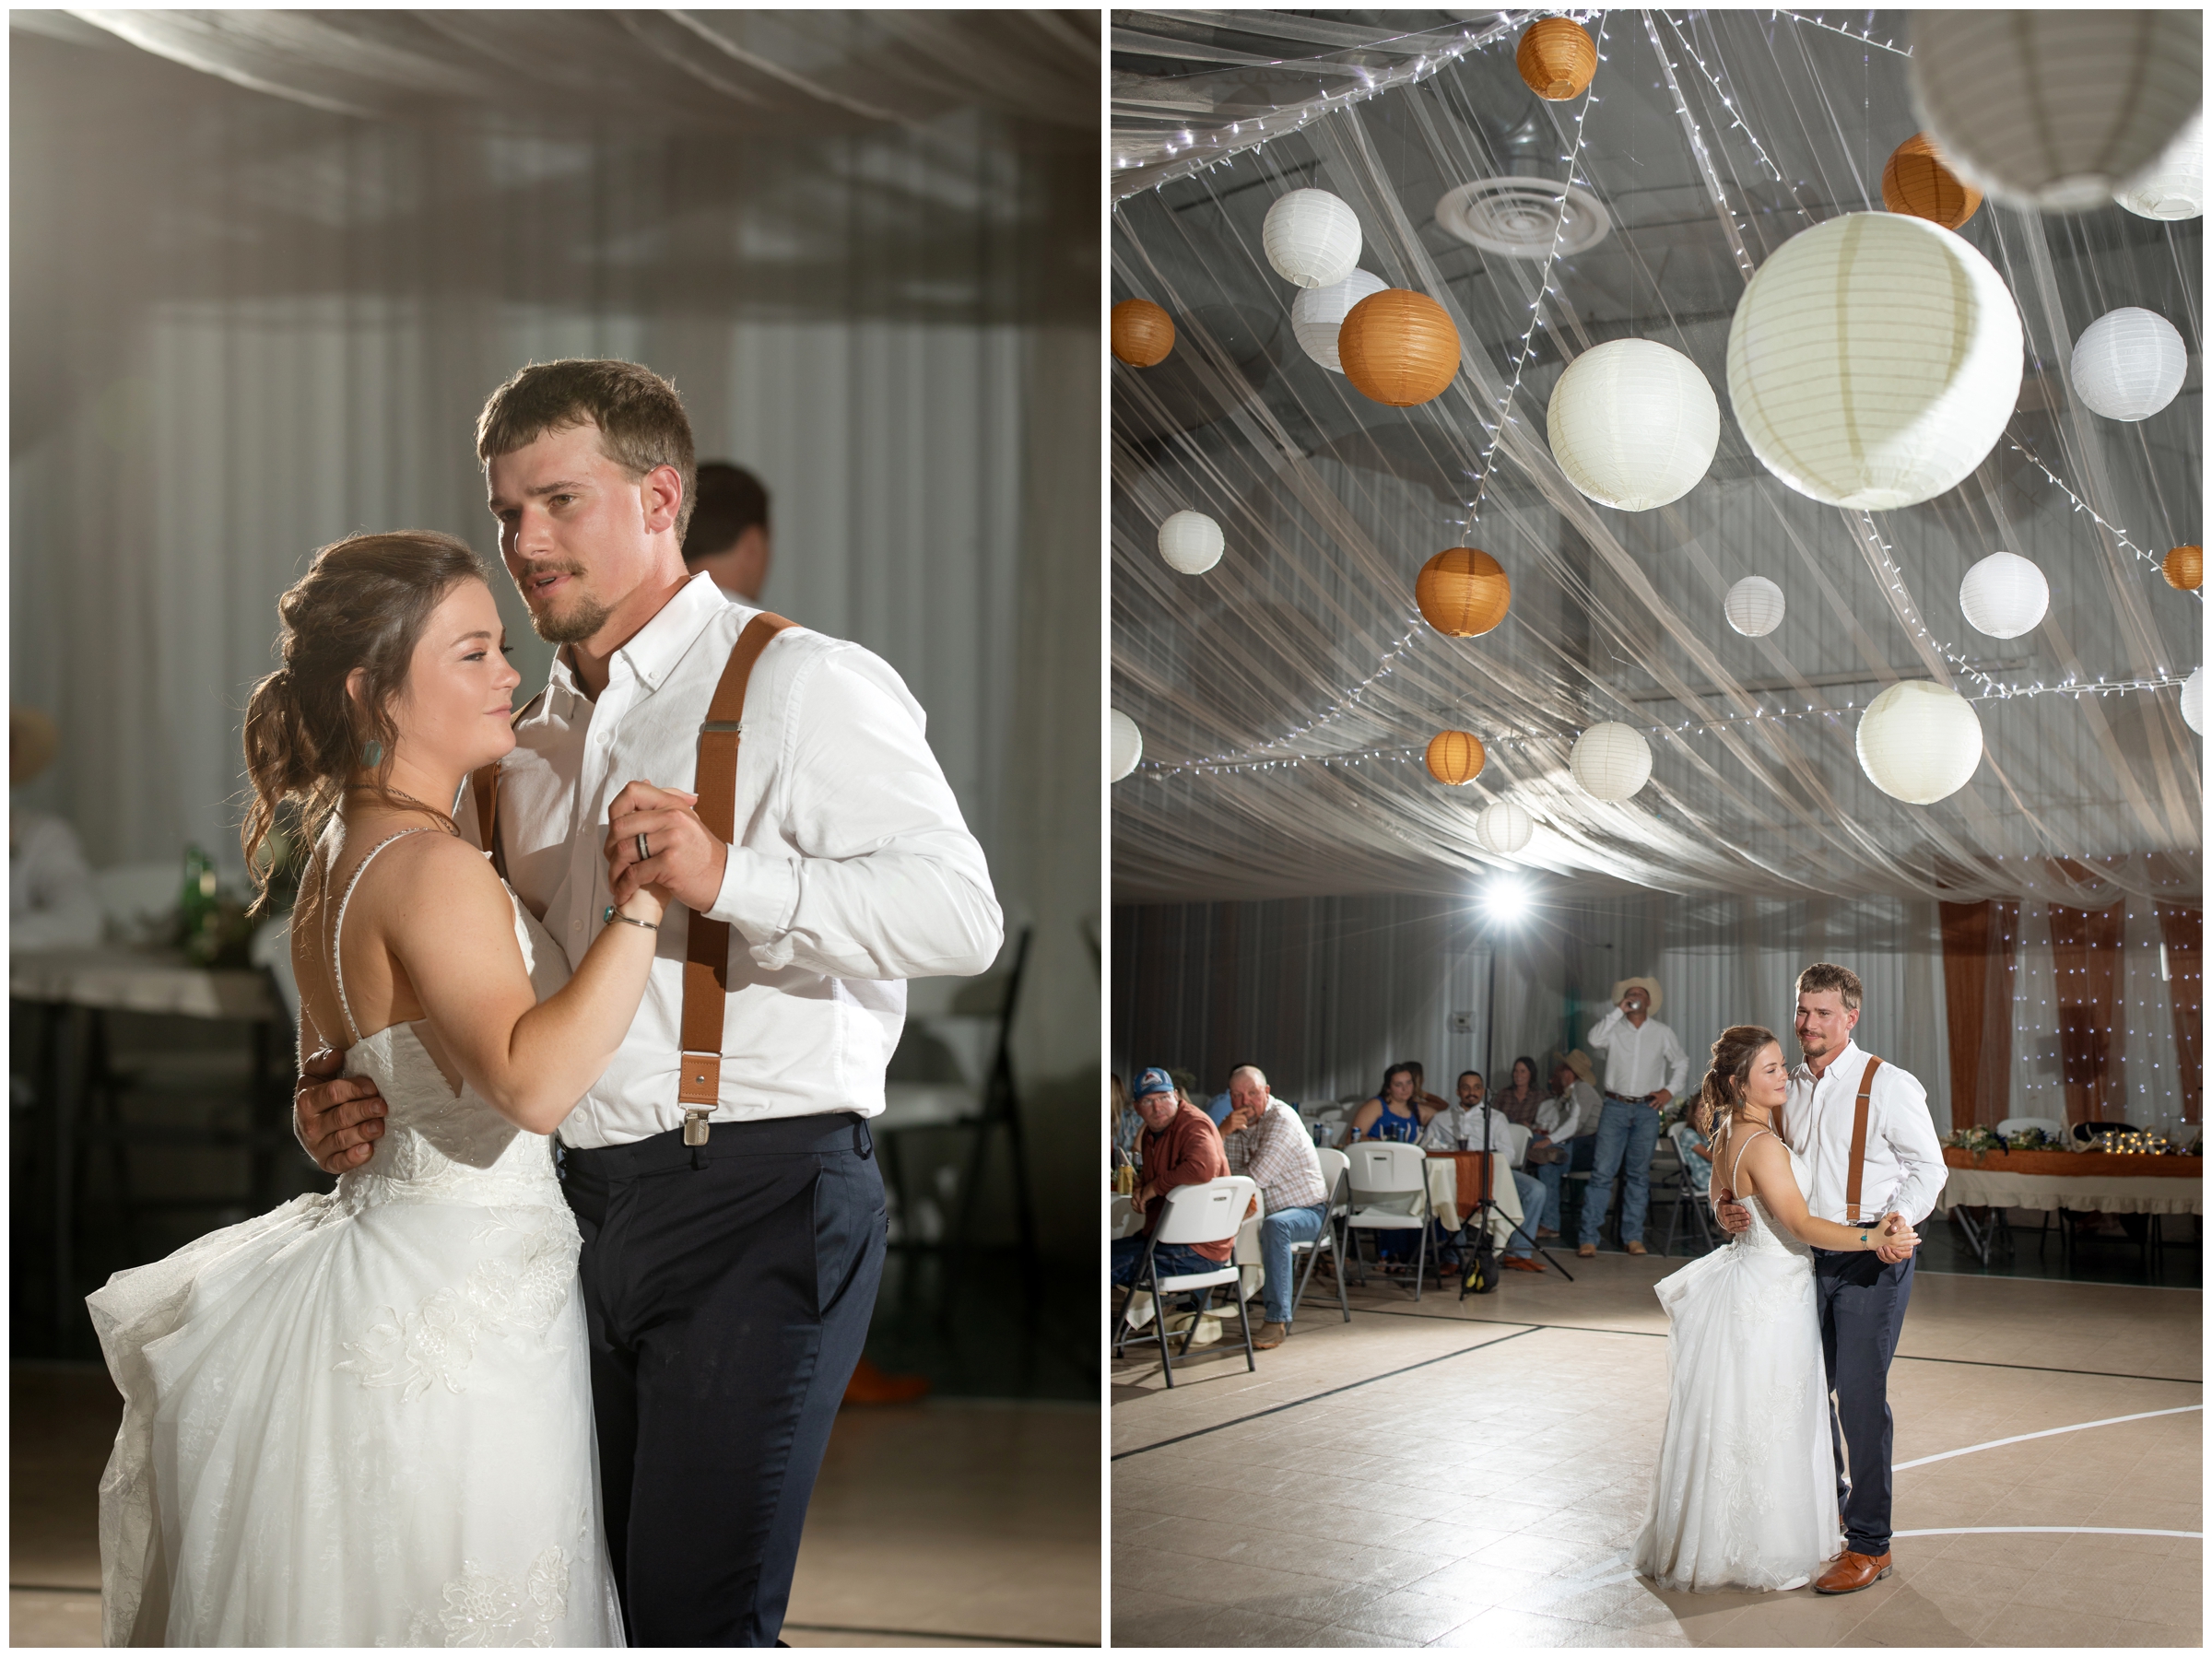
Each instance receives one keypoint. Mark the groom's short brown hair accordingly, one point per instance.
(1827, 975)
(640, 419)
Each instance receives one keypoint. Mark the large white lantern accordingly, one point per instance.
(2173, 185)
(1127, 745)
(1505, 827)
(2193, 701)
(1633, 424)
(1611, 760)
(1191, 541)
(2129, 363)
(1754, 606)
(2054, 108)
(1919, 740)
(1874, 361)
(1311, 238)
(1318, 313)
(2004, 595)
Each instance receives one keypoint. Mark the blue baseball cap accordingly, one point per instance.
(1154, 1080)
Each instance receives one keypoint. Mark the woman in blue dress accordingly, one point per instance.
(1392, 1115)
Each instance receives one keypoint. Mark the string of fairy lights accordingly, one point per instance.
(2118, 534)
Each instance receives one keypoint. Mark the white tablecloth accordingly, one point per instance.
(1444, 1193)
(2106, 1194)
(136, 980)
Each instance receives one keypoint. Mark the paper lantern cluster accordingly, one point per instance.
(2059, 109)
(1455, 756)
(1633, 424)
(1556, 58)
(2172, 186)
(1919, 742)
(1126, 745)
(1611, 761)
(1318, 314)
(1915, 180)
(1874, 361)
(1311, 238)
(1754, 606)
(1463, 592)
(1504, 828)
(2004, 595)
(2129, 363)
(2185, 567)
(1191, 541)
(1398, 347)
(1142, 333)
(2193, 701)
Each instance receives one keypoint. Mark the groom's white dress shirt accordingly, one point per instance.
(1640, 1059)
(1904, 1168)
(852, 872)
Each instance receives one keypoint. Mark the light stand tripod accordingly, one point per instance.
(1481, 1275)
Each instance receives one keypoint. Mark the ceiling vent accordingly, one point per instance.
(1520, 217)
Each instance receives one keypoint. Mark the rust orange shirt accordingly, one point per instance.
(1186, 1152)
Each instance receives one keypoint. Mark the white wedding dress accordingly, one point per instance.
(1746, 1492)
(365, 1418)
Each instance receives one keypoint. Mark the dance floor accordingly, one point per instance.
(1473, 1473)
(965, 1522)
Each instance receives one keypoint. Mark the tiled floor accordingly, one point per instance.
(960, 1522)
(1472, 1473)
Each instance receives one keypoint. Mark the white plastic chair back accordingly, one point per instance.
(2020, 1125)
(1210, 1213)
(1381, 1169)
(1517, 1152)
(1334, 1163)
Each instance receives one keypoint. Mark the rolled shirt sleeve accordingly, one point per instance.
(881, 878)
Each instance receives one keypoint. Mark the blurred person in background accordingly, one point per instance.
(728, 535)
(51, 904)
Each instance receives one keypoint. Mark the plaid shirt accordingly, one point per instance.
(1278, 1154)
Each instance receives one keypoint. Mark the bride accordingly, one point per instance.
(1746, 1492)
(365, 1418)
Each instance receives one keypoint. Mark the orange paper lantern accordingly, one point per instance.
(2185, 567)
(1463, 591)
(1455, 757)
(1915, 180)
(1557, 57)
(1142, 333)
(1398, 347)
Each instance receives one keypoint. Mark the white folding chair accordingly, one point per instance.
(1336, 1178)
(1192, 1215)
(1389, 1186)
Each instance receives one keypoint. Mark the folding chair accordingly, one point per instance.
(1389, 1185)
(1336, 1175)
(1210, 1213)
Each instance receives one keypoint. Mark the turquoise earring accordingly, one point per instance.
(373, 755)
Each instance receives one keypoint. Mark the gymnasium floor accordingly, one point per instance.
(1474, 1473)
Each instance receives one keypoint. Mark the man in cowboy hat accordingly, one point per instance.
(51, 903)
(1645, 1067)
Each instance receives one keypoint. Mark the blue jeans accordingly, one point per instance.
(1531, 1214)
(1278, 1232)
(1169, 1260)
(1577, 1160)
(1626, 1136)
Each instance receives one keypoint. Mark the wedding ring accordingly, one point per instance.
(644, 851)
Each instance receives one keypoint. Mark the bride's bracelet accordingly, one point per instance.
(613, 914)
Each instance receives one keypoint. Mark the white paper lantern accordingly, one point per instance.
(1312, 239)
(1919, 742)
(1191, 541)
(2193, 701)
(2054, 108)
(2004, 595)
(1505, 827)
(1611, 761)
(1754, 606)
(1127, 745)
(2173, 185)
(2129, 363)
(1317, 313)
(1874, 361)
(1633, 424)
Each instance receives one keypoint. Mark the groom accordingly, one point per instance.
(731, 1208)
(1863, 1127)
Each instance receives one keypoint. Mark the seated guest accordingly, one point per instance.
(51, 903)
(1697, 1158)
(1390, 1114)
(1520, 1100)
(1180, 1147)
(1566, 1139)
(1462, 1127)
(1266, 1140)
(1424, 1100)
(1218, 1106)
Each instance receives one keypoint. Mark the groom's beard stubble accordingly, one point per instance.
(572, 625)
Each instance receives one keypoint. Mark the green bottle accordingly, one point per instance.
(195, 903)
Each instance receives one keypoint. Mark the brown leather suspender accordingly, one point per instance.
(1858, 1141)
(484, 783)
(707, 943)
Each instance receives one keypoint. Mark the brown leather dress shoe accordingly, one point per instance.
(1268, 1336)
(1521, 1263)
(1637, 1248)
(1852, 1572)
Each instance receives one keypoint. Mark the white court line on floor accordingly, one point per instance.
(2047, 1433)
(2054, 1530)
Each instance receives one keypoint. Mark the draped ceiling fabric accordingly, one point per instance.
(267, 266)
(1285, 697)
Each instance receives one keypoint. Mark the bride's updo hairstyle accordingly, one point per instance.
(364, 604)
(1721, 1099)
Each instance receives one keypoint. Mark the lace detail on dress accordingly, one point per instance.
(481, 1609)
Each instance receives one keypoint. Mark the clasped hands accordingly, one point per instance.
(337, 1119)
(1901, 1240)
